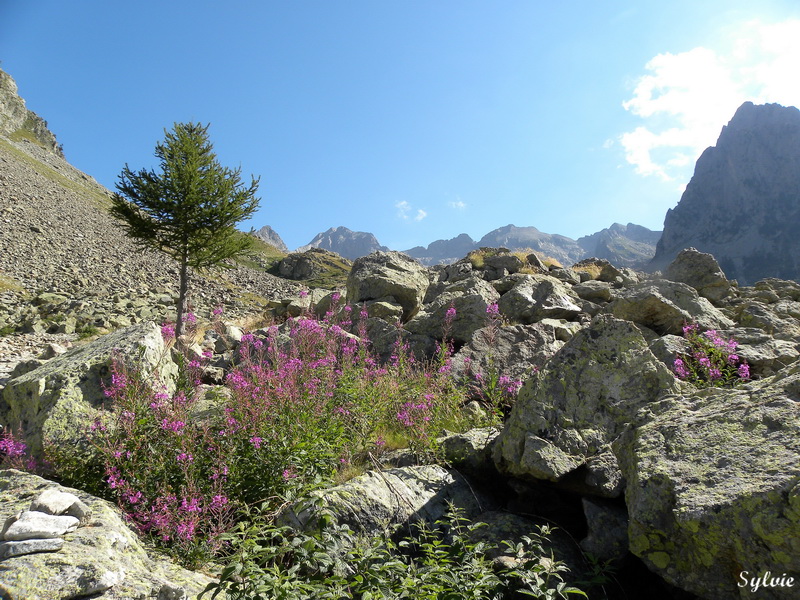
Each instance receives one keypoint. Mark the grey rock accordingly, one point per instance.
(104, 558)
(11, 549)
(60, 398)
(471, 452)
(384, 274)
(712, 486)
(470, 299)
(56, 502)
(37, 525)
(539, 297)
(602, 382)
(593, 290)
(665, 306)
(702, 272)
(514, 351)
(381, 502)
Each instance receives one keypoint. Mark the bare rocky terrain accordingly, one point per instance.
(66, 266)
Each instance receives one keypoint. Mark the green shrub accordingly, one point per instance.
(443, 562)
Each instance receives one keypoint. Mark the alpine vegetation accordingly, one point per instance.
(189, 209)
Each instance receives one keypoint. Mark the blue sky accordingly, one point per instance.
(412, 120)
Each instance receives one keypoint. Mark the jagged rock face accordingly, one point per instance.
(345, 242)
(269, 235)
(624, 245)
(16, 119)
(741, 205)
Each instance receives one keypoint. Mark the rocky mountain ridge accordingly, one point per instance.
(743, 202)
(345, 242)
(270, 236)
(17, 122)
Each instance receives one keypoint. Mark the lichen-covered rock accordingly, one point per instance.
(58, 400)
(701, 271)
(103, 559)
(383, 274)
(714, 488)
(602, 382)
(380, 502)
(471, 452)
(469, 298)
(513, 351)
(665, 306)
(537, 297)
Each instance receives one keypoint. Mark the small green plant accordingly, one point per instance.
(87, 331)
(711, 361)
(440, 562)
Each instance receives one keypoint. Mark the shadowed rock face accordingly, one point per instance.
(742, 202)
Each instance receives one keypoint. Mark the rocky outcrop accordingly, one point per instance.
(665, 306)
(713, 488)
(603, 381)
(345, 242)
(19, 123)
(55, 403)
(311, 263)
(741, 203)
(269, 235)
(702, 272)
(61, 543)
(388, 275)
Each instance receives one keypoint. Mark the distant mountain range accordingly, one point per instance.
(742, 205)
(623, 245)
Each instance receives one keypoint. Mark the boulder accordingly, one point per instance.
(383, 274)
(470, 299)
(701, 271)
(598, 269)
(310, 264)
(57, 401)
(514, 351)
(537, 297)
(101, 559)
(383, 502)
(602, 382)
(471, 452)
(665, 306)
(782, 326)
(593, 290)
(714, 488)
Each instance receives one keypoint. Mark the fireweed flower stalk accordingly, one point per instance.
(711, 360)
(303, 401)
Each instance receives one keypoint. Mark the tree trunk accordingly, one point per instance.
(180, 328)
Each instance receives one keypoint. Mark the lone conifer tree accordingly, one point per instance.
(190, 208)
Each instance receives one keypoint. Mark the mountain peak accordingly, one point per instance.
(741, 203)
(345, 242)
